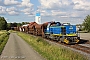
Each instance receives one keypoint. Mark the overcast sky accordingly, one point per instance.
(72, 11)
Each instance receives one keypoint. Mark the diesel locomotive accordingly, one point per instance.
(62, 32)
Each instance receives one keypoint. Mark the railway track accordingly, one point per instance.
(81, 48)
(88, 42)
(75, 46)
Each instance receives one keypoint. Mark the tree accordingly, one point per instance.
(19, 24)
(86, 23)
(23, 23)
(14, 24)
(9, 26)
(3, 23)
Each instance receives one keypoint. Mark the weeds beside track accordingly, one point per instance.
(4, 35)
(50, 52)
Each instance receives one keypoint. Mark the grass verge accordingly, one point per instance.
(51, 52)
(3, 40)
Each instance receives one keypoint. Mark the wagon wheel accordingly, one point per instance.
(61, 40)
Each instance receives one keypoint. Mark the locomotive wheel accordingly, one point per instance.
(61, 40)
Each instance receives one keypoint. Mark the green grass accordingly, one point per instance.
(11, 31)
(3, 40)
(51, 52)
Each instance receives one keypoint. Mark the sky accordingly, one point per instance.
(64, 11)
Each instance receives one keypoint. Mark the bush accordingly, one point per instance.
(3, 40)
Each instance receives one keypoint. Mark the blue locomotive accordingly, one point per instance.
(62, 32)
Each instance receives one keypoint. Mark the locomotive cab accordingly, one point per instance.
(71, 35)
(49, 30)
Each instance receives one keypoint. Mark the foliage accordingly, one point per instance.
(49, 51)
(3, 23)
(23, 23)
(9, 25)
(14, 24)
(86, 23)
(3, 40)
(19, 24)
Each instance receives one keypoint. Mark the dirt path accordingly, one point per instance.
(85, 36)
(17, 49)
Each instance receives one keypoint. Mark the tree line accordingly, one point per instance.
(7, 26)
(86, 23)
(4, 25)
